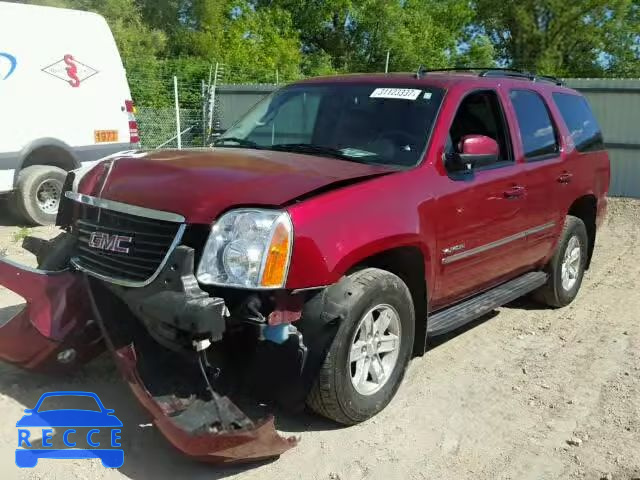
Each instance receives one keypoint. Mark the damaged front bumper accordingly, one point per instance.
(214, 431)
(68, 311)
(54, 319)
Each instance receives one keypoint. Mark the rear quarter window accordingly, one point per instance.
(583, 126)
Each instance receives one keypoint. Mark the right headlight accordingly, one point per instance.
(248, 248)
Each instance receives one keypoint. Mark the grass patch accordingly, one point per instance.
(21, 234)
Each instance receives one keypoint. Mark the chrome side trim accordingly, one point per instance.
(497, 243)
(129, 283)
(541, 228)
(125, 208)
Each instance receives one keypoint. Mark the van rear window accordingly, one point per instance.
(582, 125)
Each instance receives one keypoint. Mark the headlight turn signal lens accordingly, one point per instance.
(275, 267)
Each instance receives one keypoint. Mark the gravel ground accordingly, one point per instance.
(524, 393)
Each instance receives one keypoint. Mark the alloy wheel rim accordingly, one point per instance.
(48, 196)
(375, 348)
(571, 263)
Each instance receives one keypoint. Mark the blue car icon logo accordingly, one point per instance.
(67, 420)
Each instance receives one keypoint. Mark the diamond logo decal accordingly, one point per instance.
(70, 70)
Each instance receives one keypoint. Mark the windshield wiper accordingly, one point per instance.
(240, 142)
(313, 150)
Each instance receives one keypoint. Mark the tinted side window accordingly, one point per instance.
(480, 113)
(582, 125)
(539, 137)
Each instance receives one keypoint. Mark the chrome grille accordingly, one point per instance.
(152, 242)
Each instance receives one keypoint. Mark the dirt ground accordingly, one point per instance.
(502, 399)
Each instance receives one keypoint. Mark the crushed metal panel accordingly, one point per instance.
(55, 316)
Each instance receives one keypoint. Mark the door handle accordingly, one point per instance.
(565, 177)
(517, 191)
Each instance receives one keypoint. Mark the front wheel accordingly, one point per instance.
(370, 353)
(567, 266)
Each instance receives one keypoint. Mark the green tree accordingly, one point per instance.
(623, 58)
(136, 40)
(563, 38)
(257, 45)
(357, 34)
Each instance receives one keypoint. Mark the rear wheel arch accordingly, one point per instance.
(585, 208)
(39, 180)
(51, 155)
(50, 152)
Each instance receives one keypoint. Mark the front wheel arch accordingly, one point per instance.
(331, 395)
(410, 264)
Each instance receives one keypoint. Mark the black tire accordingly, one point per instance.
(553, 293)
(25, 197)
(333, 394)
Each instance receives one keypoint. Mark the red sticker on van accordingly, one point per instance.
(70, 70)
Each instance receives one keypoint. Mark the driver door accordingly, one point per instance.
(481, 222)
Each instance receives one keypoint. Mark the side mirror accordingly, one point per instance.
(474, 150)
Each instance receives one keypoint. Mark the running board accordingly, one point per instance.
(467, 311)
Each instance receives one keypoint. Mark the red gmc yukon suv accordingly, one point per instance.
(316, 248)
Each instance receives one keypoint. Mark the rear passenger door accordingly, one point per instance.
(539, 149)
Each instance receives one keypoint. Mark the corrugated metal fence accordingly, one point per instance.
(616, 103)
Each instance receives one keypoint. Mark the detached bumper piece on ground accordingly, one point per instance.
(53, 332)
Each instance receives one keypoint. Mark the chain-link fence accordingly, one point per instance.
(159, 128)
(180, 109)
(171, 111)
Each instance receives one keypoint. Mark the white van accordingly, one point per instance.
(64, 101)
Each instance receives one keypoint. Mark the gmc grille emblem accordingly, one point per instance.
(110, 243)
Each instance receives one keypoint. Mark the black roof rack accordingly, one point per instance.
(494, 72)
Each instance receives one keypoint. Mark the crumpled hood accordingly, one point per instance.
(200, 185)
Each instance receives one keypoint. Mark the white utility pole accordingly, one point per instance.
(175, 92)
(212, 97)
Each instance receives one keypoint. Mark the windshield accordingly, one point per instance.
(369, 123)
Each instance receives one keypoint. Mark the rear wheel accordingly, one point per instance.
(38, 194)
(566, 268)
(370, 353)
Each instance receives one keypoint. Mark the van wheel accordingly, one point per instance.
(566, 268)
(38, 194)
(370, 353)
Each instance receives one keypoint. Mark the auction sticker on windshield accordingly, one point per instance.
(397, 93)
